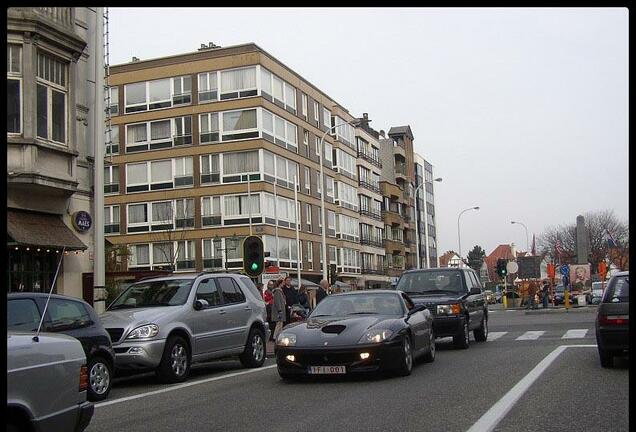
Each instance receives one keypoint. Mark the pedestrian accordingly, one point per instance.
(321, 292)
(303, 300)
(545, 290)
(278, 310)
(268, 297)
(259, 286)
(291, 297)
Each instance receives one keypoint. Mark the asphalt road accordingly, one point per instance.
(452, 394)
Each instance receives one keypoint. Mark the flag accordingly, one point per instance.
(534, 248)
(558, 248)
(611, 243)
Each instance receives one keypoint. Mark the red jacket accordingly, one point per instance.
(268, 297)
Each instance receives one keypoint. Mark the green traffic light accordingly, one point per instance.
(254, 266)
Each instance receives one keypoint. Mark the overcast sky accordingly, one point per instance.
(522, 112)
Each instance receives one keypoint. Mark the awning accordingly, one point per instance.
(41, 229)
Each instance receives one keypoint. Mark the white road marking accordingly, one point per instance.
(495, 335)
(531, 335)
(575, 334)
(498, 411)
(180, 386)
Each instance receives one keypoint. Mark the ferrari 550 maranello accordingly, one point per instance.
(363, 331)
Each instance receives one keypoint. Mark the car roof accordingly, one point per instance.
(361, 292)
(437, 269)
(18, 295)
(185, 276)
(622, 273)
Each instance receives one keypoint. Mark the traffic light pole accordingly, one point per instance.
(505, 296)
(298, 255)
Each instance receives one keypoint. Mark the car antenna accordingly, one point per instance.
(36, 338)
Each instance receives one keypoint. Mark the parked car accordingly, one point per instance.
(490, 297)
(74, 317)
(358, 331)
(455, 298)
(597, 293)
(167, 323)
(612, 320)
(47, 381)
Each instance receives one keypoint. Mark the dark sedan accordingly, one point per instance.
(74, 317)
(360, 331)
(612, 320)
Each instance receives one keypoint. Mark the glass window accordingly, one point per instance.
(230, 290)
(22, 315)
(135, 93)
(136, 173)
(266, 81)
(162, 253)
(278, 88)
(239, 120)
(161, 211)
(14, 110)
(51, 98)
(290, 96)
(161, 171)
(240, 163)
(64, 315)
(159, 93)
(238, 79)
(137, 213)
(207, 291)
(14, 59)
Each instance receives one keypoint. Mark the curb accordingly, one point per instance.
(562, 310)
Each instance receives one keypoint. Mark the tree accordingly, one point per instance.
(598, 224)
(476, 258)
(169, 245)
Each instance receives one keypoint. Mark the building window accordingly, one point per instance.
(280, 170)
(317, 142)
(344, 132)
(304, 105)
(331, 220)
(152, 175)
(185, 255)
(111, 219)
(112, 107)
(182, 134)
(208, 87)
(308, 217)
(14, 89)
(326, 117)
(310, 252)
(307, 180)
(182, 90)
(111, 180)
(345, 163)
(210, 172)
(239, 125)
(51, 98)
(183, 172)
(211, 211)
(212, 253)
(112, 140)
(347, 196)
(328, 153)
(239, 165)
(238, 83)
(279, 131)
(184, 214)
(329, 185)
(157, 94)
(209, 128)
(316, 111)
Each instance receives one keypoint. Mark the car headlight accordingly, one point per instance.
(449, 309)
(286, 339)
(375, 336)
(144, 331)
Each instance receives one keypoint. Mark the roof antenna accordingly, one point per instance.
(36, 338)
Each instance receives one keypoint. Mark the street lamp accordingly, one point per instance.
(459, 240)
(526, 228)
(355, 122)
(417, 226)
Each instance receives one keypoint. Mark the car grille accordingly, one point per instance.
(328, 358)
(115, 334)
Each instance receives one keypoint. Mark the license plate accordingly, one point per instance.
(321, 370)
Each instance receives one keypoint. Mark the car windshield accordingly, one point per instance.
(359, 304)
(169, 292)
(619, 290)
(424, 282)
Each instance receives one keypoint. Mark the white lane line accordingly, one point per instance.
(495, 335)
(180, 386)
(497, 412)
(531, 335)
(575, 334)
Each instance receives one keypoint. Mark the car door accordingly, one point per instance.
(474, 302)
(418, 323)
(237, 310)
(71, 318)
(207, 324)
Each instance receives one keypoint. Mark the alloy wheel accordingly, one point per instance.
(179, 358)
(408, 355)
(99, 378)
(258, 349)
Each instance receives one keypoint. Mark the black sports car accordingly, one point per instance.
(360, 331)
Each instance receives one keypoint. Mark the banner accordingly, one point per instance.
(529, 267)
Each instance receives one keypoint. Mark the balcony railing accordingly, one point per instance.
(59, 15)
(373, 271)
(370, 159)
(400, 168)
(371, 186)
(371, 241)
(371, 214)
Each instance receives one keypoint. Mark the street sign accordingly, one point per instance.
(565, 270)
(512, 267)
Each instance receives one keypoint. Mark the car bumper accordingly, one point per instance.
(383, 356)
(75, 419)
(445, 326)
(613, 339)
(139, 354)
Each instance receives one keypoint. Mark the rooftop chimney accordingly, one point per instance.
(135, 59)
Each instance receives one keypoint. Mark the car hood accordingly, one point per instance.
(336, 331)
(134, 317)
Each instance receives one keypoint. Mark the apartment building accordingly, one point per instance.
(50, 87)
(207, 147)
(427, 227)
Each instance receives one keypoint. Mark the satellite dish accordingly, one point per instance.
(512, 267)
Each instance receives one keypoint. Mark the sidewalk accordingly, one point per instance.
(541, 310)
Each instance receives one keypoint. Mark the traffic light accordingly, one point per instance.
(501, 267)
(253, 256)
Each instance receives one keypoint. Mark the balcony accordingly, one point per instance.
(62, 16)
(373, 271)
(394, 245)
(392, 218)
(400, 171)
(390, 190)
(399, 148)
(374, 187)
(371, 214)
(369, 158)
(371, 241)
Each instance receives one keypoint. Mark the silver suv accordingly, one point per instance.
(167, 323)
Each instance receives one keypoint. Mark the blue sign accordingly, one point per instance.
(82, 221)
(565, 270)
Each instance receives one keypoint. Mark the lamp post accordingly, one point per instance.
(354, 122)
(459, 240)
(526, 228)
(417, 226)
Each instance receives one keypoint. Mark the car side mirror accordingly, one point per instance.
(475, 291)
(416, 309)
(200, 304)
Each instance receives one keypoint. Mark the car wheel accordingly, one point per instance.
(481, 333)
(254, 354)
(462, 339)
(406, 365)
(429, 357)
(607, 358)
(100, 379)
(175, 363)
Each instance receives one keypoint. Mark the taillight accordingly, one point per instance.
(83, 378)
(613, 319)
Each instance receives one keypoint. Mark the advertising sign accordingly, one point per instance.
(529, 267)
(580, 277)
(82, 221)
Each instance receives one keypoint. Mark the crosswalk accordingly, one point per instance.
(533, 335)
